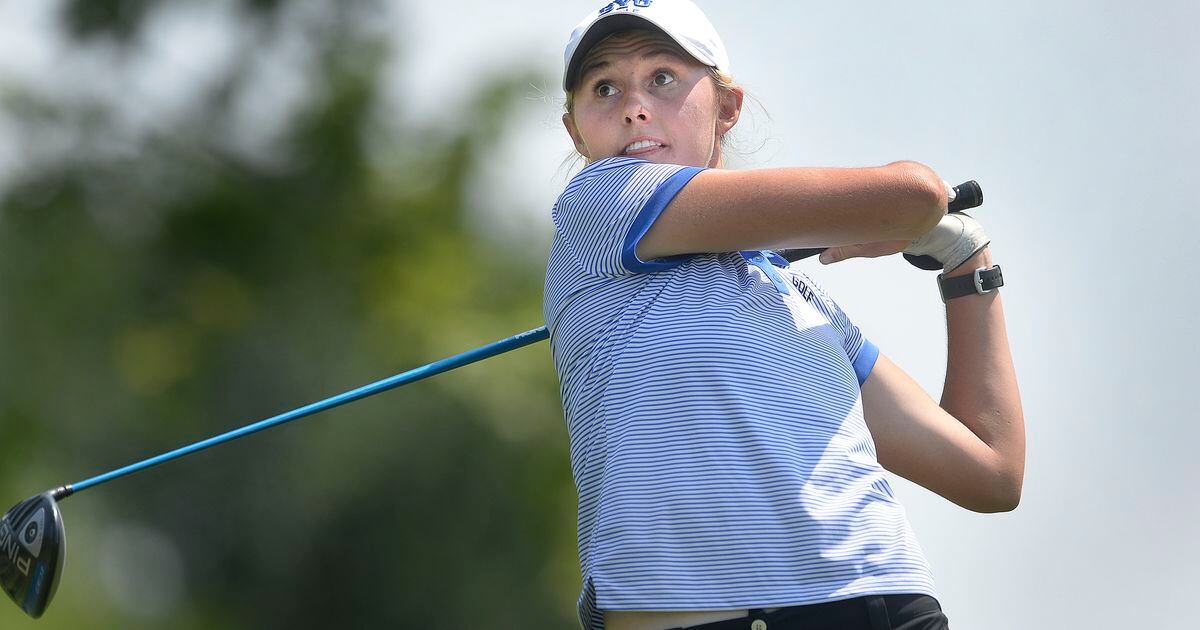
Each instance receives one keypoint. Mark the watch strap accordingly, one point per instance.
(982, 280)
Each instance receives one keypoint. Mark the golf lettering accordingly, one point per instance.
(802, 288)
(624, 4)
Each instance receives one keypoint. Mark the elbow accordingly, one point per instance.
(1004, 495)
(1003, 502)
(924, 196)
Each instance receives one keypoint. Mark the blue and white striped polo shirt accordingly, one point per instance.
(714, 413)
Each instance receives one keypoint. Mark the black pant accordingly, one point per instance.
(872, 612)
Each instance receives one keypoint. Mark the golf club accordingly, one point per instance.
(32, 538)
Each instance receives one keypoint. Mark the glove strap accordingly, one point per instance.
(983, 280)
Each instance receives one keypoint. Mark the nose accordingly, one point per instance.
(635, 109)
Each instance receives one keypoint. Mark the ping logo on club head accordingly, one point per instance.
(625, 5)
(31, 532)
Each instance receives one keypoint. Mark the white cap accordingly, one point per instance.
(681, 20)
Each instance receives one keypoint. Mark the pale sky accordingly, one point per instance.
(1081, 122)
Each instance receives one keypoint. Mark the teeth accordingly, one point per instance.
(641, 144)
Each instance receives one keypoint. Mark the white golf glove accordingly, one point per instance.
(952, 241)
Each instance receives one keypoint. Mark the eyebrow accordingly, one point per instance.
(590, 68)
(659, 48)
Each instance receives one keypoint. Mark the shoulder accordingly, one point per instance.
(619, 176)
(601, 169)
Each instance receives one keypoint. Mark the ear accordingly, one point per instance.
(573, 131)
(729, 109)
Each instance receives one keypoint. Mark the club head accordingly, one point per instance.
(32, 551)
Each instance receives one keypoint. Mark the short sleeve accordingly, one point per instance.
(861, 352)
(609, 206)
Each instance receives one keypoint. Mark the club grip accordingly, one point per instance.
(967, 195)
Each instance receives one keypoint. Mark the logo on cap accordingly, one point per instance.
(621, 5)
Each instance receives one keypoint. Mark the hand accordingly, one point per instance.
(865, 250)
(953, 240)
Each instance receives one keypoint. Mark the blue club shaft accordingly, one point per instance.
(437, 367)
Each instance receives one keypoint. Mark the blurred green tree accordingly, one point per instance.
(162, 283)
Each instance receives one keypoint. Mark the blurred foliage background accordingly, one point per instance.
(167, 278)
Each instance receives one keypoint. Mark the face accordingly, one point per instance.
(639, 95)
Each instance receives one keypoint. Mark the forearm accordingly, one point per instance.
(783, 208)
(981, 384)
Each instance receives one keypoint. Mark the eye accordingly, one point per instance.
(604, 89)
(663, 77)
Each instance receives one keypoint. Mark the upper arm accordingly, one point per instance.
(732, 210)
(918, 440)
(607, 207)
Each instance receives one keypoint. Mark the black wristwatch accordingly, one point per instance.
(983, 280)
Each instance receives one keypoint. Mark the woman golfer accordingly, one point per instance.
(729, 424)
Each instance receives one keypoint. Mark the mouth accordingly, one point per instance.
(643, 147)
